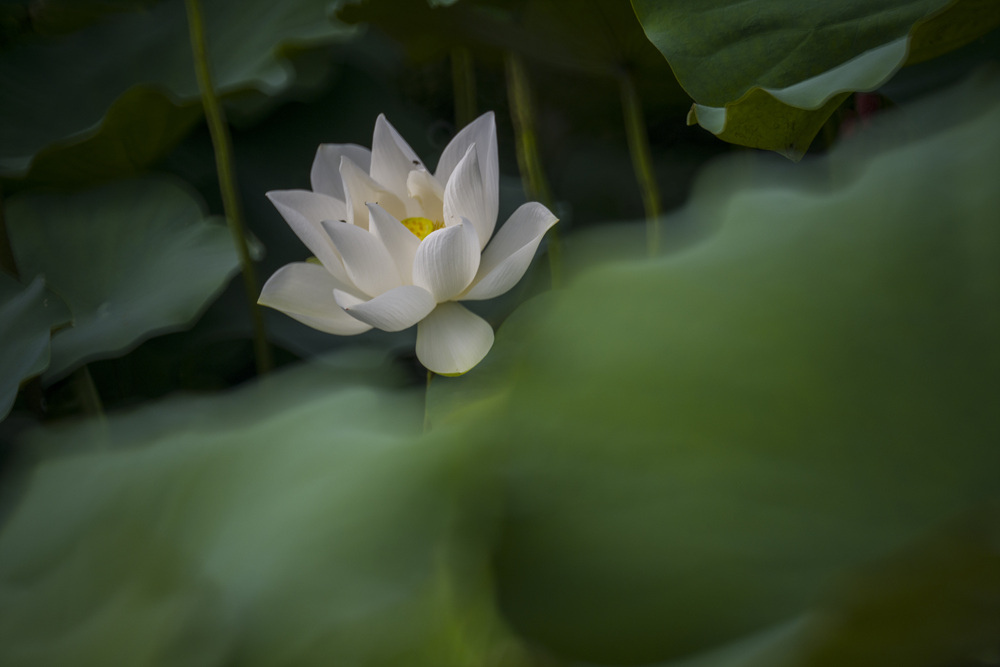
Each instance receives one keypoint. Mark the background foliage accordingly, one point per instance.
(769, 442)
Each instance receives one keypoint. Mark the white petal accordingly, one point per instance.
(447, 260)
(428, 193)
(395, 310)
(305, 292)
(451, 340)
(508, 255)
(464, 198)
(392, 157)
(325, 176)
(401, 243)
(361, 190)
(483, 133)
(304, 211)
(369, 265)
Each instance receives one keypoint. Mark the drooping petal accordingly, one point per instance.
(369, 265)
(447, 260)
(325, 175)
(305, 292)
(392, 157)
(508, 255)
(401, 243)
(428, 193)
(451, 340)
(304, 211)
(360, 190)
(399, 308)
(483, 133)
(464, 198)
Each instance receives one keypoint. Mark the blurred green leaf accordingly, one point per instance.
(769, 74)
(130, 259)
(54, 17)
(710, 444)
(89, 91)
(597, 37)
(27, 316)
(137, 130)
(297, 521)
(937, 602)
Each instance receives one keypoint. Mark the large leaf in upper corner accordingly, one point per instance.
(130, 259)
(27, 315)
(122, 91)
(768, 74)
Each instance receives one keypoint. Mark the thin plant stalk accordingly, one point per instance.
(86, 393)
(529, 159)
(427, 402)
(222, 143)
(642, 162)
(91, 405)
(463, 80)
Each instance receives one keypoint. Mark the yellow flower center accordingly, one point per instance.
(421, 227)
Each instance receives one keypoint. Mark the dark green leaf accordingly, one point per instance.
(27, 315)
(296, 521)
(769, 74)
(707, 445)
(59, 90)
(130, 259)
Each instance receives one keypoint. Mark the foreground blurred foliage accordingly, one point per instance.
(293, 522)
(706, 446)
(773, 446)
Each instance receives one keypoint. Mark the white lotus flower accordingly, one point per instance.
(398, 245)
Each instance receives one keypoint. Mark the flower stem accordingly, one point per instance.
(91, 405)
(463, 81)
(427, 401)
(222, 143)
(86, 393)
(642, 162)
(529, 160)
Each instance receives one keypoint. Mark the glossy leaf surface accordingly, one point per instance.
(769, 74)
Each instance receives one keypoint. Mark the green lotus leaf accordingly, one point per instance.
(731, 439)
(129, 259)
(27, 316)
(139, 128)
(90, 89)
(54, 17)
(769, 74)
(298, 520)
